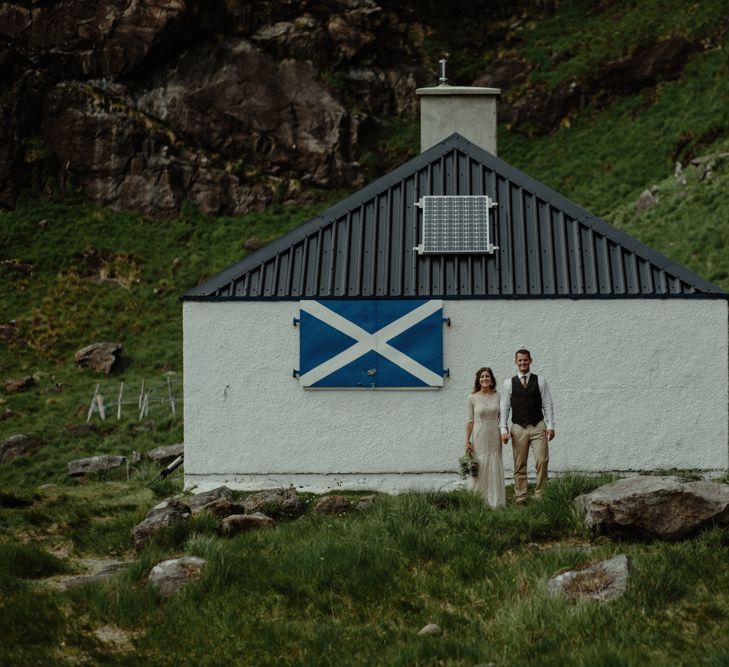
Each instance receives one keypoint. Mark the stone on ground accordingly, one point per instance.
(275, 502)
(169, 576)
(99, 357)
(166, 454)
(15, 385)
(431, 629)
(333, 505)
(17, 445)
(93, 464)
(655, 507)
(601, 581)
(159, 517)
(241, 523)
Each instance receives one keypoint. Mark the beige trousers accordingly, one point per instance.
(521, 440)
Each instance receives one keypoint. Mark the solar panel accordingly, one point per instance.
(455, 224)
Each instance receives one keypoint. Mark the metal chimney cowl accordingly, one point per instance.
(468, 110)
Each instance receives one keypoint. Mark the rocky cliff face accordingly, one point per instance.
(144, 104)
(233, 104)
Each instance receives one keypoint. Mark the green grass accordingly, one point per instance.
(356, 589)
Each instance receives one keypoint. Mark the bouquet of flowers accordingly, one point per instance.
(469, 465)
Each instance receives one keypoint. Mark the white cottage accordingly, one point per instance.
(341, 355)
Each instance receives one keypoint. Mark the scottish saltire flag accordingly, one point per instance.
(371, 344)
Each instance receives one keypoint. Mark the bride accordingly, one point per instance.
(483, 438)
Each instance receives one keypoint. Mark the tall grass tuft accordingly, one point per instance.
(29, 561)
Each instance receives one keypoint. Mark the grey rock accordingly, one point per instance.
(333, 505)
(17, 445)
(166, 454)
(15, 385)
(99, 357)
(94, 464)
(276, 503)
(98, 571)
(431, 630)
(646, 200)
(601, 581)
(150, 104)
(221, 508)
(159, 517)
(365, 503)
(655, 507)
(241, 523)
(169, 576)
(201, 501)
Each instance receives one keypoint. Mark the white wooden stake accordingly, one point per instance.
(100, 403)
(172, 400)
(141, 396)
(93, 402)
(119, 401)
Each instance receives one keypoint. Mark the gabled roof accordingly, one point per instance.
(364, 246)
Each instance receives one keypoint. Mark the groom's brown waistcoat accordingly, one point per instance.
(526, 404)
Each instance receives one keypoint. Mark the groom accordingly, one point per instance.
(528, 399)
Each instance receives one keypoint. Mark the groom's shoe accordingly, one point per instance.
(520, 501)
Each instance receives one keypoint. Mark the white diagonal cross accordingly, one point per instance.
(377, 341)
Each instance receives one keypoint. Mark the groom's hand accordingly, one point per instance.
(505, 437)
(550, 434)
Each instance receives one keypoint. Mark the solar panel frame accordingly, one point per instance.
(455, 224)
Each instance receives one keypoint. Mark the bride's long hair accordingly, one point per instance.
(477, 384)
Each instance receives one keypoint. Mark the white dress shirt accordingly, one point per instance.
(547, 406)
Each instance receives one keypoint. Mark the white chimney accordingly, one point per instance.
(470, 111)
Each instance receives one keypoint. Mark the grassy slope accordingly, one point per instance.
(353, 590)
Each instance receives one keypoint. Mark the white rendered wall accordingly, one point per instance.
(637, 385)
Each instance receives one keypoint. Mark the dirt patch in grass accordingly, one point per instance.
(116, 639)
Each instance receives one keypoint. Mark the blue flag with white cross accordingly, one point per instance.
(371, 343)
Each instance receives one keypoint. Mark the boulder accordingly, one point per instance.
(539, 109)
(146, 105)
(430, 630)
(15, 385)
(169, 576)
(17, 445)
(201, 501)
(646, 200)
(648, 64)
(333, 505)
(256, 110)
(96, 38)
(599, 581)
(655, 507)
(166, 454)
(365, 503)
(276, 502)
(241, 523)
(159, 517)
(144, 167)
(94, 464)
(99, 357)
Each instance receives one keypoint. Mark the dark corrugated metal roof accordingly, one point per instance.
(364, 246)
